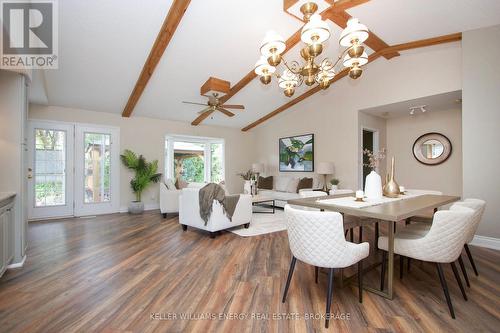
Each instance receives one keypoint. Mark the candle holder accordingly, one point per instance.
(359, 200)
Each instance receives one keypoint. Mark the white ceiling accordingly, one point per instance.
(104, 44)
(435, 103)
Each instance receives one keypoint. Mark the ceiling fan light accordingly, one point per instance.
(272, 44)
(354, 31)
(315, 31)
(349, 62)
(262, 67)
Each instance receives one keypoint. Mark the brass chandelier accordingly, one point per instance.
(314, 33)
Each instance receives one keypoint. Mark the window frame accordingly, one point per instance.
(207, 141)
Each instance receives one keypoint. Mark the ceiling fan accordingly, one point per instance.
(213, 104)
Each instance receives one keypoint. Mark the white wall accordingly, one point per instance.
(401, 134)
(481, 123)
(146, 136)
(332, 115)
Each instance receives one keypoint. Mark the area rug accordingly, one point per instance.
(263, 224)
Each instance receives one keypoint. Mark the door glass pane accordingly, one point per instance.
(189, 161)
(50, 168)
(97, 172)
(216, 162)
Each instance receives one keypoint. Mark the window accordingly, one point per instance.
(97, 170)
(194, 159)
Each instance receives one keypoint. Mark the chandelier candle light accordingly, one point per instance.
(314, 33)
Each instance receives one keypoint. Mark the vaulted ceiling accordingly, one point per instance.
(104, 45)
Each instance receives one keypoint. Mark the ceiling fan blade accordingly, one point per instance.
(194, 103)
(201, 117)
(205, 110)
(226, 112)
(240, 107)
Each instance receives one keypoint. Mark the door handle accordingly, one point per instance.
(30, 173)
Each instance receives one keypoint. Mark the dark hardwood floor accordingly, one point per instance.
(122, 273)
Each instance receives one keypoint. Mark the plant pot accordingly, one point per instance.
(136, 207)
(335, 187)
(247, 187)
(373, 186)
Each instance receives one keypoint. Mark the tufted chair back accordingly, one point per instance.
(478, 206)
(445, 239)
(317, 238)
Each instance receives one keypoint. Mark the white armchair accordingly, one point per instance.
(189, 213)
(169, 198)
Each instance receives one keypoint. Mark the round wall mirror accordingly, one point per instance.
(432, 148)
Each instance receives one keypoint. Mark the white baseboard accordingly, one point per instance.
(489, 242)
(151, 206)
(17, 264)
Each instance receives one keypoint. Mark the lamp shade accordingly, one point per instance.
(362, 60)
(325, 168)
(258, 167)
(353, 31)
(315, 31)
(272, 41)
(262, 67)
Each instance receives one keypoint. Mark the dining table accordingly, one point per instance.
(388, 211)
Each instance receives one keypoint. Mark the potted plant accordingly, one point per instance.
(335, 183)
(247, 176)
(145, 175)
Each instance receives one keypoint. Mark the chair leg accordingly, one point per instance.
(360, 239)
(351, 234)
(382, 274)
(464, 272)
(459, 280)
(329, 296)
(401, 264)
(471, 259)
(164, 215)
(213, 234)
(184, 227)
(316, 269)
(445, 289)
(345, 234)
(360, 281)
(290, 273)
(376, 236)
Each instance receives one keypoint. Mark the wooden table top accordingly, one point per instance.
(390, 211)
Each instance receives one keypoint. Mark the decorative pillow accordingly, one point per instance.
(181, 183)
(305, 183)
(170, 184)
(292, 185)
(266, 183)
(281, 183)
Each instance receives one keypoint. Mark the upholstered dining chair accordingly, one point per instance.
(440, 243)
(317, 238)
(424, 216)
(478, 206)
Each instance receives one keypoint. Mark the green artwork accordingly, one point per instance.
(297, 153)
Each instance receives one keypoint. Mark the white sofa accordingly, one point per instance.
(189, 213)
(285, 188)
(169, 197)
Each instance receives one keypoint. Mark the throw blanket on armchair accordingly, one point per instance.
(211, 192)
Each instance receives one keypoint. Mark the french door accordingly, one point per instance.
(74, 170)
(50, 171)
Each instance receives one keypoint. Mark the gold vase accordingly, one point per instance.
(391, 188)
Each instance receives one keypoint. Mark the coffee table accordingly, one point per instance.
(263, 201)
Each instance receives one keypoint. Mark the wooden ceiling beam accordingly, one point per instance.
(174, 16)
(346, 4)
(399, 47)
